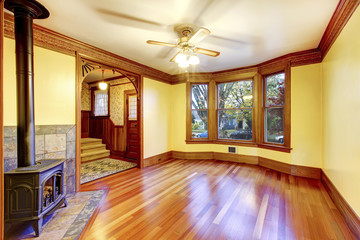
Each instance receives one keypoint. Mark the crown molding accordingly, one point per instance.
(295, 59)
(55, 41)
(58, 42)
(341, 16)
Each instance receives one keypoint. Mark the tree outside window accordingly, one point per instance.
(199, 118)
(274, 108)
(235, 108)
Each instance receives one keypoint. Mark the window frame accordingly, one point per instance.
(252, 109)
(270, 107)
(285, 146)
(257, 74)
(191, 110)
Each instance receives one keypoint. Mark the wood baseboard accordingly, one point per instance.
(157, 158)
(295, 170)
(308, 172)
(229, 157)
(351, 218)
(275, 165)
(192, 155)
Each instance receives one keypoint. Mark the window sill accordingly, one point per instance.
(244, 144)
(275, 147)
(224, 142)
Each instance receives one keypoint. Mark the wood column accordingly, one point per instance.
(1, 120)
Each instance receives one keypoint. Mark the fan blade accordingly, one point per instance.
(206, 52)
(199, 35)
(173, 59)
(130, 21)
(161, 43)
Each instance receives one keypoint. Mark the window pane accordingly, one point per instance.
(132, 107)
(101, 103)
(199, 96)
(275, 90)
(235, 94)
(199, 124)
(274, 125)
(235, 124)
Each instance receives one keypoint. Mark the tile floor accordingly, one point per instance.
(66, 222)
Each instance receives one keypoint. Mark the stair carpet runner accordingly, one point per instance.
(93, 148)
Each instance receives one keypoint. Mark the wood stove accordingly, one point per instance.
(34, 191)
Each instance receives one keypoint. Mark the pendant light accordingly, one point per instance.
(102, 84)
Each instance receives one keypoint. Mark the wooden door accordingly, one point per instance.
(132, 127)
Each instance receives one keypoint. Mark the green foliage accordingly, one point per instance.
(275, 90)
(195, 126)
(236, 95)
(275, 96)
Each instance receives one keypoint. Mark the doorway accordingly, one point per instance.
(117, 127)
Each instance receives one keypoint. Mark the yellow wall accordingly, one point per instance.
(341, 94)
(54, 86)
(306, 115)
(157, 119)
(305, 122)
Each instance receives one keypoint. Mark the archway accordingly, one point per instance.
(121, 136)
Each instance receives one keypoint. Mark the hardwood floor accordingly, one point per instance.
(186, 199)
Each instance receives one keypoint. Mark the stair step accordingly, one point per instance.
(96, 152)
(90, 140)
(92, 147)
(91, 155)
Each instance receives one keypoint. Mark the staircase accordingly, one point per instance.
(93, 148)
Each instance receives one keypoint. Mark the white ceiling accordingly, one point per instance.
(246, 32)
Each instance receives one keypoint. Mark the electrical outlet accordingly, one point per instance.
(232, 149)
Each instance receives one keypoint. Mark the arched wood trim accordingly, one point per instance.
(84, 65)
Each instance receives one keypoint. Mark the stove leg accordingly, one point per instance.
(65, 203)
(37, 224)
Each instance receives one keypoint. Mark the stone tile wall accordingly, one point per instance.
(51, 142)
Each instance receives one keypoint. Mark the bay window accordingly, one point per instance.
(245, 108)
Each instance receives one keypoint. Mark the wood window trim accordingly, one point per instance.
(286, 108)
(258, 77)
(242, 142)
(189, 111)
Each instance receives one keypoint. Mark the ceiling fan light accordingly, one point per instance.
(183, 64)
(194, 60)
(180, 58)
(102, 85)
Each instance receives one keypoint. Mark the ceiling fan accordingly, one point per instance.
(188, 38)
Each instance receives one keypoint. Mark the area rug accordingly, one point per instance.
(100, 168)
(65, 223)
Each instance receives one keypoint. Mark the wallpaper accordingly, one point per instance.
(117, 102)
(85, 97)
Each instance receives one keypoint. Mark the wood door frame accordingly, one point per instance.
(1, 119)
(126, 94)
(138, 79)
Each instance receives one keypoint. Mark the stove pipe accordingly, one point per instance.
(24, 13)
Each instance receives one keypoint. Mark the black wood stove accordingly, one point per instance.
(33, 189)
(32, 192)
